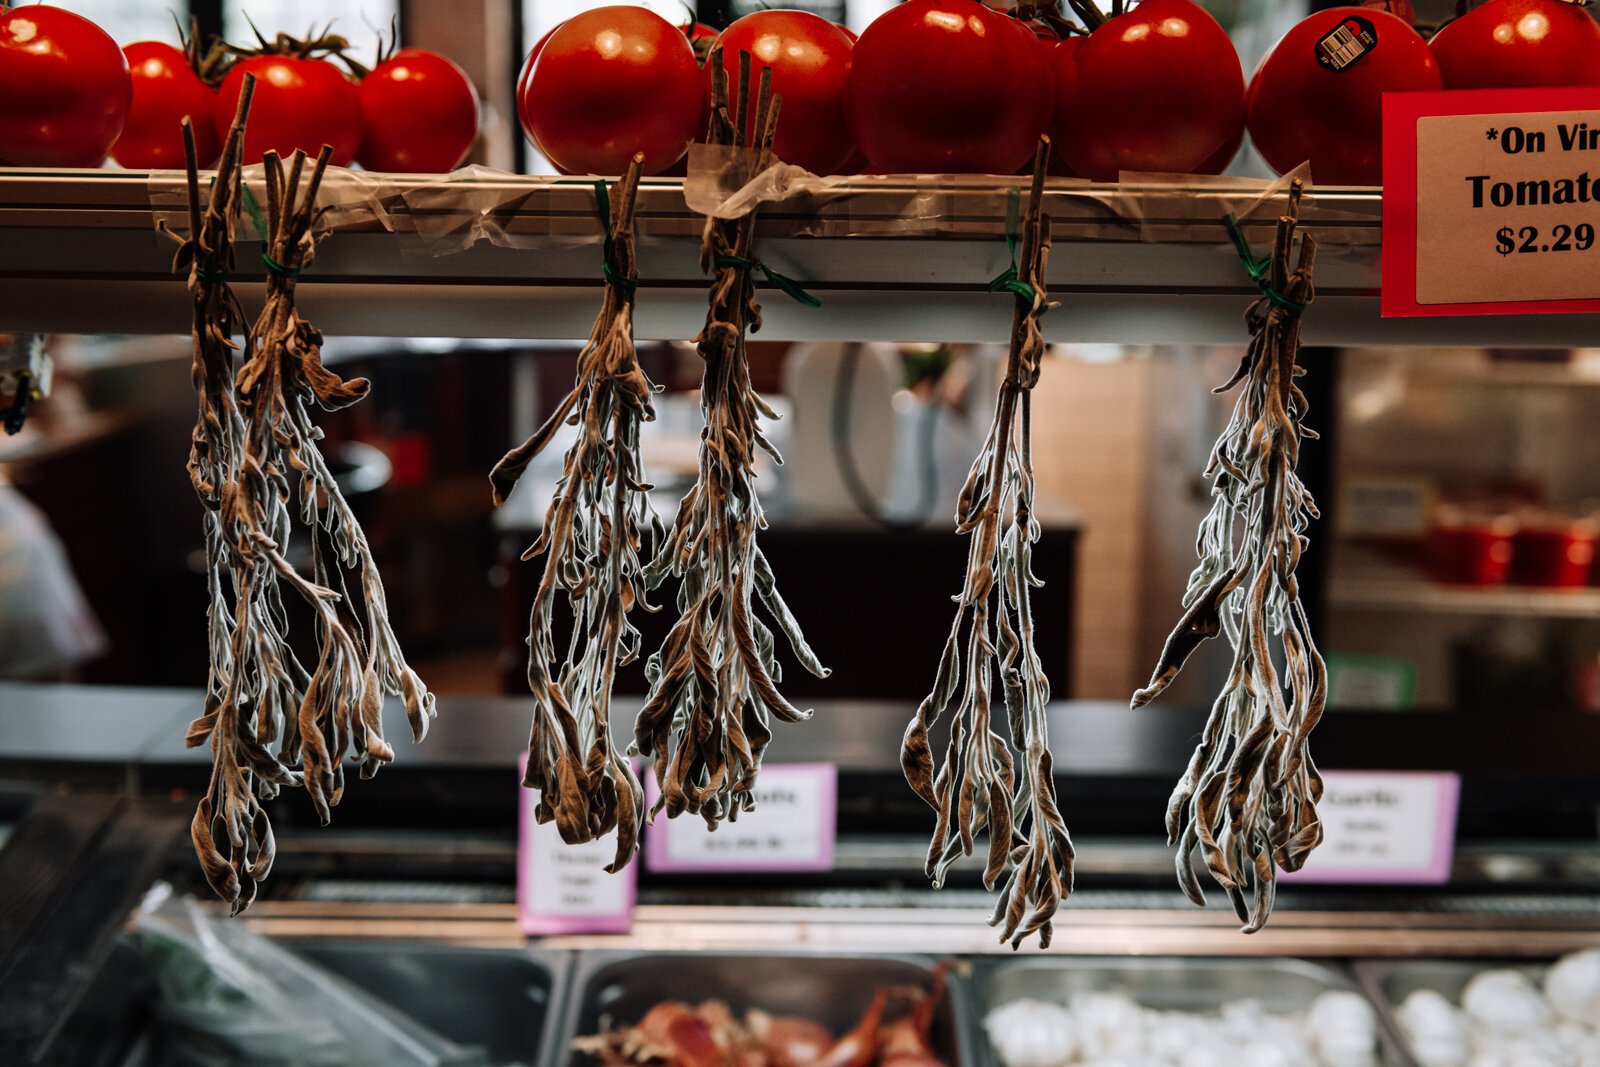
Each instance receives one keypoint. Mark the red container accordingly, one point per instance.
(1470, 547)
(1553, 551)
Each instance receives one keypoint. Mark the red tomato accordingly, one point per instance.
(1511, 44)
(1223, 156)
(810, 61)
(165, 90)
(298, 103)
(1046, 36)
(857, 163)
(611, 82)
(64, 89)
(527, 72)
(1318, 95)
(947, 86)
(419, 114)
(1156, 89)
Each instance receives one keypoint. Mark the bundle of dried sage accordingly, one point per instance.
(714, 682)
(593, 534)
(1249, 796)
(978, 785)
(254, 449)
(230, 812)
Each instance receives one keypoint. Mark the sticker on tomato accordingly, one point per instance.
(1347, 43)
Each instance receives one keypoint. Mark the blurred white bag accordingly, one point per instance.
(46, 625)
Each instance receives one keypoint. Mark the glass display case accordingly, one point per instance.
(1449, 578)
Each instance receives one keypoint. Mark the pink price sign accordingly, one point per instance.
(1384, 827)
(791, 829)
(564, 889)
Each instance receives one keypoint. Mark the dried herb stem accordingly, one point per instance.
(1248, 797)
(714, 682)
(254, 447)
(991, 645)
(595, 529)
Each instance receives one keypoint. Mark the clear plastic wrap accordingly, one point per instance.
(231, 996)
(441, 215)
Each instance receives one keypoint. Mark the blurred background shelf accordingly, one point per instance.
(1416, 594)
(891, 260)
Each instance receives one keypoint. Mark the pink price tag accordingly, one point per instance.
(791, 829)
(1384, 827)
(564, 889)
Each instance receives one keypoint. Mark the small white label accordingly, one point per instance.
(1384, 827)
(564, 889)
(1377, 506)
(791, 829)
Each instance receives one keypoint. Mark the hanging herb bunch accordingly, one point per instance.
(714, 682)
(991, 647)
(244, 768)
(254, 453)
(1248, 798)
(594, 531)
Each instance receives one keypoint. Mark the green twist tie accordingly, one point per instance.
(211, 275)
(602, 203)
(254, 209)
(1008, 280)
(789, 286)
(1258, 269)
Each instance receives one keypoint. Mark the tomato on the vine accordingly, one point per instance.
(419, 113)
(810, 61)
(1156, 89)
(65, 89)
(1318, 95)
(166, 89)
(1511, 44)
(702, 38)
(947, 86)
(298, 103)
(608, 83)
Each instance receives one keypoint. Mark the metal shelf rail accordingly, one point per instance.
(892, 259)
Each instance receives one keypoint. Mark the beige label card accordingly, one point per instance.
(1508, 207)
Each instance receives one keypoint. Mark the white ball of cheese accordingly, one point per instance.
(1343, 1029)
(1506, 1002)
(1108, 1025)
(1267, 1054)
(1434, 1028)
(1032, 1033)
(1580, 1041)
(1440, 1051)
(1573, 988)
